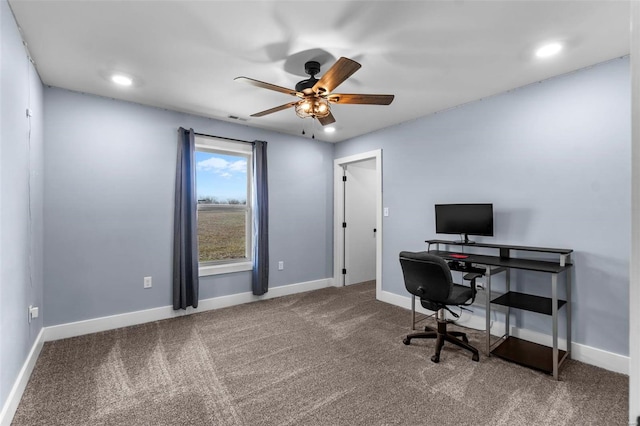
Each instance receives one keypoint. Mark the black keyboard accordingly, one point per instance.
(464, 267)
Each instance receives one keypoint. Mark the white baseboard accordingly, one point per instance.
(11, 404)
(111, 322)
(583, 353)
(600, 358)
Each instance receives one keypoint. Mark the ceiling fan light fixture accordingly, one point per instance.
(313, 107)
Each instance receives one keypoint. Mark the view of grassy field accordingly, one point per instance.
(221, 234)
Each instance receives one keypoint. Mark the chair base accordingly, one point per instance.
(441, 334)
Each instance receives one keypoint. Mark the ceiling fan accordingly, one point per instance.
(315, 96)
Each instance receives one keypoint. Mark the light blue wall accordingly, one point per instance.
(553, 158)
(109, 190)
(20, 220)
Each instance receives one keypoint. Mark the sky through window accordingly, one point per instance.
(221, 177)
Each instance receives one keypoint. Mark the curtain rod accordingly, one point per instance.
(222, 137)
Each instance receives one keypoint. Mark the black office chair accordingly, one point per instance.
(429, 277)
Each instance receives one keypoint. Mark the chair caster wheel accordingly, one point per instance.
(435, 359)
(406, 341)
(475, 358)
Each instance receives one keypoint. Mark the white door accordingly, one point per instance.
(360, 219)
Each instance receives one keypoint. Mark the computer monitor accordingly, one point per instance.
(465, 220)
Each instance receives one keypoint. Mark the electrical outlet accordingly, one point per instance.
(33, 312)
(280, 265)
(147, 282)
(386, 211)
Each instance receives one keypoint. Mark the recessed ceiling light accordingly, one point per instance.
(329, 129)
(548, 50)
(122, 80)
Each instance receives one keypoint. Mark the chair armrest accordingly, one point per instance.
(471, 276)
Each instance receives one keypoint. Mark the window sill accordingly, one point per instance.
(226, 268)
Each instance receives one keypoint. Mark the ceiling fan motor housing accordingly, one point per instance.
(312, 68)
(306, 84)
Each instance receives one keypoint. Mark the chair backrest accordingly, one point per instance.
(426, 276)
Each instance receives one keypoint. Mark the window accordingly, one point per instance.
(223, 188)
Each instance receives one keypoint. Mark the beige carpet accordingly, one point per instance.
(329, 357)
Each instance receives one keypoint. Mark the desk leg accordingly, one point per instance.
(506, 320)
(487, 327)
(413, 312)
(568, 311)
(554, 315)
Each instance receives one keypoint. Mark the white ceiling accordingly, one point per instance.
(432, 55)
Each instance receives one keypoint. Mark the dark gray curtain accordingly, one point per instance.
(260, 275)
(185, 234)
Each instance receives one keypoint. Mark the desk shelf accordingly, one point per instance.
(527, 302)
(527, 353)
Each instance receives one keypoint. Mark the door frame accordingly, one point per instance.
(338, 208)
(634, 273)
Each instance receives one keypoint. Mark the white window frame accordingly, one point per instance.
(227, 147)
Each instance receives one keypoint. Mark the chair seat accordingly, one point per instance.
(459, 296)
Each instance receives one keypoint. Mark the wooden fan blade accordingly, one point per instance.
(327, 120)
(345, 98)
(272, 110)
(339, 72)
(269, 86)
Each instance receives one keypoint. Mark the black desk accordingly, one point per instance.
(509, 347)
(504, 262)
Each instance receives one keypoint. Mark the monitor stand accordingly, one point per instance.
(466, 240)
